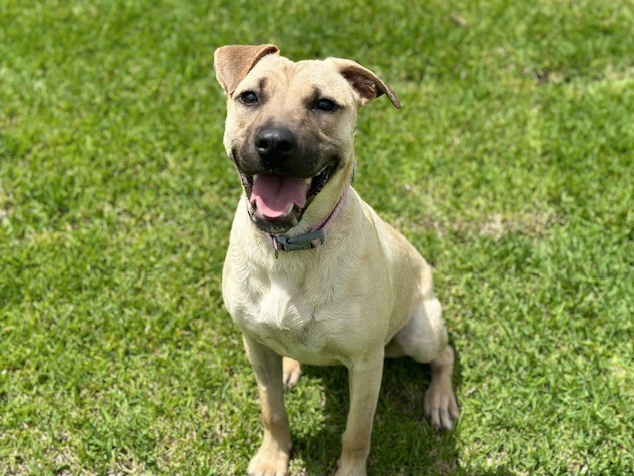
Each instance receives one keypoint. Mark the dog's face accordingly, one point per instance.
(290, 127)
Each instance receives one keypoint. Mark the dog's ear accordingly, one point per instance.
(367, 84)
(233, 62)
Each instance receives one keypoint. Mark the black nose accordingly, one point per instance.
(275, 143)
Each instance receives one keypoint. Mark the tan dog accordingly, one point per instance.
(312, 273)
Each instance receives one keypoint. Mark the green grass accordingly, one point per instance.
(510, 166)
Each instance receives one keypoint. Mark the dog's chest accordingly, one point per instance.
(285, 318)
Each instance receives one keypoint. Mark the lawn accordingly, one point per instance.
(510, 166)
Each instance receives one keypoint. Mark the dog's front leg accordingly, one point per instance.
(273, 455)
(365, 384)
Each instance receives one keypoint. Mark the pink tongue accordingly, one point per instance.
(274, 194)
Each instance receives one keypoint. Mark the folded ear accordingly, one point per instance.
(233, 62)
(367, 84)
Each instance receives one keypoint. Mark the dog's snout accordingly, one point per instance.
(277, 142)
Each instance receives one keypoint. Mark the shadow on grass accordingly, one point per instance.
(403, 442)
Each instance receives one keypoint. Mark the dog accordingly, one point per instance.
(312, 274)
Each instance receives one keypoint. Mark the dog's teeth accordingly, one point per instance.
(308, 181)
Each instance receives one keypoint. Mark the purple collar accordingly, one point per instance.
(306, 241)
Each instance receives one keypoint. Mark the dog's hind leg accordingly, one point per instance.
(292, 371)
(425, 339)
(441, 406)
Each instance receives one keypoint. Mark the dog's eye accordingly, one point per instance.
(325, 105)
(248, 98)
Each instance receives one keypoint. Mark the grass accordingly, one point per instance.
(510, 166)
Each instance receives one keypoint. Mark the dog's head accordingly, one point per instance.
(290, 126)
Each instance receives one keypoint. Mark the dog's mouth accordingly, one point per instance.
(279, 201)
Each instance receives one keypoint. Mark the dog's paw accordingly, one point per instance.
(269, 462)
(292, 371)
(351, 468)
(441, 406)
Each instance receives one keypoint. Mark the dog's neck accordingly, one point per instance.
(315, 237)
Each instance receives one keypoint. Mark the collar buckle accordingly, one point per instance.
(305, 241)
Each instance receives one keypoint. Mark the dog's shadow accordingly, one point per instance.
(403, 441)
